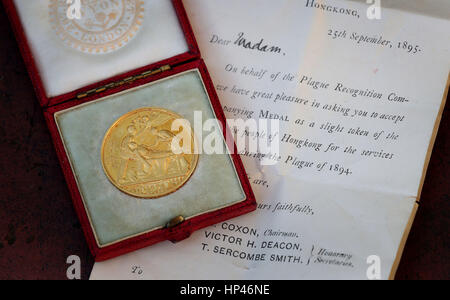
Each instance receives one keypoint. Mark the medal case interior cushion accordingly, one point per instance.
(87, 77)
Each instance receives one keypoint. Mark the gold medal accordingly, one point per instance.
(137, 154)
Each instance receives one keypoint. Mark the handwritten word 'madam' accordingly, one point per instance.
(242, 41)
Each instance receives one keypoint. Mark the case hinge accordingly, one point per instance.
(123, 81)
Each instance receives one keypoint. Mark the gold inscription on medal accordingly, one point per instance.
(137, 154)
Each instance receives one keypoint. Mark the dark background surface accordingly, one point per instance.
(38, 225)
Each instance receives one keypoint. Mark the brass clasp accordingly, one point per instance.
(175, 222)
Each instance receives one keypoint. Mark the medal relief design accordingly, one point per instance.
(103, 26)
(137, 154)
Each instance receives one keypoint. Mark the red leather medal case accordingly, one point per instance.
(92, 62)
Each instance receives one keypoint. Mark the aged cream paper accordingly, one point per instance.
(357, 100)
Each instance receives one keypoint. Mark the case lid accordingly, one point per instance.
(75, 48)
